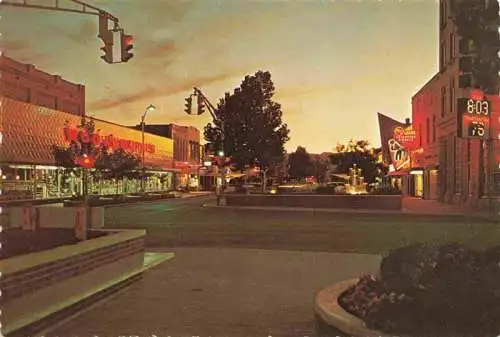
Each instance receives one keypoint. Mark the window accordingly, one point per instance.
(420, 135)
(443, 100)
(469, 152)
(442, 13)
(442, 56)
(452, 95)
(434, 128)
(428, 130)
(452, 46)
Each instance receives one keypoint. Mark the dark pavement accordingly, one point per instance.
(221, 292)
(217, 286)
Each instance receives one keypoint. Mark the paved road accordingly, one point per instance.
(184, 223)
(221, 293)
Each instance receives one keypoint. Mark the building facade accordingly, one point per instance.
(24, 83)
(39, 112)
(187, 152)
(29, 167)
(455, 169)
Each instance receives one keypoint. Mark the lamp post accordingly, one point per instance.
(149, 108)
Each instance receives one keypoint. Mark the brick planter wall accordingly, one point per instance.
(385, 202)
(39, 284)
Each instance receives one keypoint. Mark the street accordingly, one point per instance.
(185, 223)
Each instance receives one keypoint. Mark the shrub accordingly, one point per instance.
(426, 288)
(325, 190)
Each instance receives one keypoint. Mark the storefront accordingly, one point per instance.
(29, 169)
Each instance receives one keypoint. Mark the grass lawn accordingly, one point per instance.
(185, 226)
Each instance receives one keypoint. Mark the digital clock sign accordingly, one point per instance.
(473, 118)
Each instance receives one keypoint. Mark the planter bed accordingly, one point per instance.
(422, 290)
(16, 241)
(120, 199)
(41, 284)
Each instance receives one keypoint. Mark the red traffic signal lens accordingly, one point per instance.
(128, 39)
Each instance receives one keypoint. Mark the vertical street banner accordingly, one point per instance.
(392, 136)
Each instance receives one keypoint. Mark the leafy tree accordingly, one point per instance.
(252, 124)
(321, 167)
(360, 153)
(117, 165)
(300, 164)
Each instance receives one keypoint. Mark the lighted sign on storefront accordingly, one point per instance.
(473, 118)
(75, 134)
(406, 136)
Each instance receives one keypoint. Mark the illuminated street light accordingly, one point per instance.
(149, 108)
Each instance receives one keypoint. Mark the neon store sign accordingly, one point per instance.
(78, 135)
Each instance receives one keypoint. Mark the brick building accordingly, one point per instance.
(454, 169)
(187, 149)
(23, 82)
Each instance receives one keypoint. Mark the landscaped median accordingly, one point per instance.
(40, 285)
(383, 202)
(121, 199)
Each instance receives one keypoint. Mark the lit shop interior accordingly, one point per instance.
(41, 182)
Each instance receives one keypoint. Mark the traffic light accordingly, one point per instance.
(188, 105)
(201, 105)
(126, 46)
(107, 48)
(465, 66)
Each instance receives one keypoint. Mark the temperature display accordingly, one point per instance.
(473, 118)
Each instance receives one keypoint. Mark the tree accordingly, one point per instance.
(300, 164)
(251, 121)
(117, 165)
(321, 167)
(360, 153)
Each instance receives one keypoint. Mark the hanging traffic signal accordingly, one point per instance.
(201, 105)
(188, 105)
(127, 43)
(107, 48)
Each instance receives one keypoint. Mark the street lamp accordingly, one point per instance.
(149, 108)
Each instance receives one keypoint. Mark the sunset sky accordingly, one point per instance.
(335, 64)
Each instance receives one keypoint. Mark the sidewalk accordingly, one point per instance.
(222, 292)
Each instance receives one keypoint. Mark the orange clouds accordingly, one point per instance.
(158, 91)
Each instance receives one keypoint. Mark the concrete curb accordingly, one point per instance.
(328, 310)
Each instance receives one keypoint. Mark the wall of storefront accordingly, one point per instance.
(456, 164)
(25, 83)
(29, 133)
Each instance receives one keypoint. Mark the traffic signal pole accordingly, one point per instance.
(214, 112)
(117, 45)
